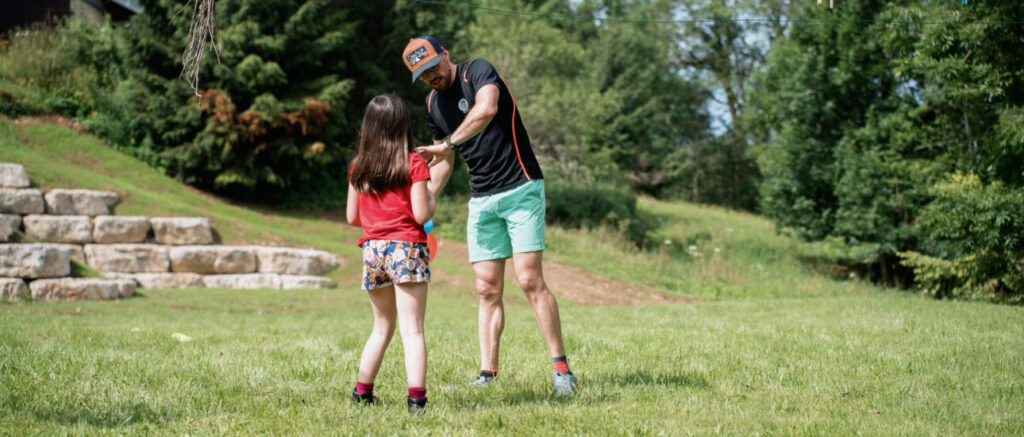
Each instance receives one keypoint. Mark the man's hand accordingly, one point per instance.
(436, 153)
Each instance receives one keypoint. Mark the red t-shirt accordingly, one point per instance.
(388, 215)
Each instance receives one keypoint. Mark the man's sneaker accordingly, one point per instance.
(363, 398)
(565, 384)
(482, 381)
(417, 405)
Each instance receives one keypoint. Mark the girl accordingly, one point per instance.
(391, 194)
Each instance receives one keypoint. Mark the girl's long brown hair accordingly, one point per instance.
(385, 141)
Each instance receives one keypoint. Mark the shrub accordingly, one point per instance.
(589, 206)
(977, 241)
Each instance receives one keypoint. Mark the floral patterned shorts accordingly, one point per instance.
(387, 261)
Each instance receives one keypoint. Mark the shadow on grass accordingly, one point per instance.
(108, 416)
(671, 379)
(522, 397)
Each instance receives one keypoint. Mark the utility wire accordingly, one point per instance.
(698, 20)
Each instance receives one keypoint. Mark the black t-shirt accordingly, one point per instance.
(499, 157)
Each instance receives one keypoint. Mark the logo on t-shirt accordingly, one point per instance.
(417, 55)
(463, 105)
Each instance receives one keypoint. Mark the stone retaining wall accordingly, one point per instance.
(62, 225)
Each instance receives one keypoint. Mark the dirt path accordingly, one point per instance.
(566, 282)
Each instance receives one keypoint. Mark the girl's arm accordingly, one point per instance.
(352, 206)
(424, 204)
(440, 172)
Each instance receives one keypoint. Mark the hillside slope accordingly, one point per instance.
(773, 348)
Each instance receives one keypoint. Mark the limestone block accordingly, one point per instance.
(247, 281)
(80, 202)
(119, 229)
(21, 201)
(33, 261)
(127, 258)
(213, 259)
(9, 224)
(12, 288)
(58, 228)
(294, 282)
(13, 176)
(182, 230)
(161, 280)
(52, 290)
(287, 261)
(75, 251)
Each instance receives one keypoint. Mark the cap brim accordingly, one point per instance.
(428, 65)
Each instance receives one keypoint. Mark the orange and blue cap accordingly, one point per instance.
(421, 54)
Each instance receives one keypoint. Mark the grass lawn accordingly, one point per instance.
(773, 348)
(266, 362)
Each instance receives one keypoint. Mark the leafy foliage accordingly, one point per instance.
(861, 124)
(978, 233)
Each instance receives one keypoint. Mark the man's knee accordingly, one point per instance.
(531, 282)
(489, 288)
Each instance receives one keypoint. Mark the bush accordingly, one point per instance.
(977, 241)
(589, 206)
(66, 69)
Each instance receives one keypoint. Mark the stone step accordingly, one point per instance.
(295, 282)
(73, 229)
(13, 176)
(247, 281)
(287, 261)
(13, 288)
(128, 258)
(34, 261)
(8, 224)
(21, 201)
(235, 281)
(213, 259)
(72, 289)
(182, 230)
(116, 229)
(76, 252)
(80, 202)
(161, 280)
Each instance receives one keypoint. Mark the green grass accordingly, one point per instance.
(265, 362)
(774, 348)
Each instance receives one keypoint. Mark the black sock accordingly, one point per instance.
(489, 374)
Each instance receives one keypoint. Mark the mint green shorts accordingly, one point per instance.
(507, 222)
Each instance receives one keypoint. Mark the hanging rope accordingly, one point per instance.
(202, 30)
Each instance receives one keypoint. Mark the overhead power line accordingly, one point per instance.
(699, 20)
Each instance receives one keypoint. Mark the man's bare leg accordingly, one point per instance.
(530, 274)
(490, 283)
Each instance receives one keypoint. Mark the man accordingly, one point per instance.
(470, 110)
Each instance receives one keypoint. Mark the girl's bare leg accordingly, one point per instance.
(411, 301)
(383, 302)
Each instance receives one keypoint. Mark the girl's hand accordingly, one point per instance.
(434, 154)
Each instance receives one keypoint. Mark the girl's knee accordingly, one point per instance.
(383, 328)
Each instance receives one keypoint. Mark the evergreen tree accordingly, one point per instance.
(273, 115)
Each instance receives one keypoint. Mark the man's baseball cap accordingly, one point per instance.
(421, 54)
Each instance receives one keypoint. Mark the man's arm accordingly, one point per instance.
(480, 115)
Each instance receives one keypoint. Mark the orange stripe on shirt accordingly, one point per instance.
(515, 142)
(466, 70)
(429, 100)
